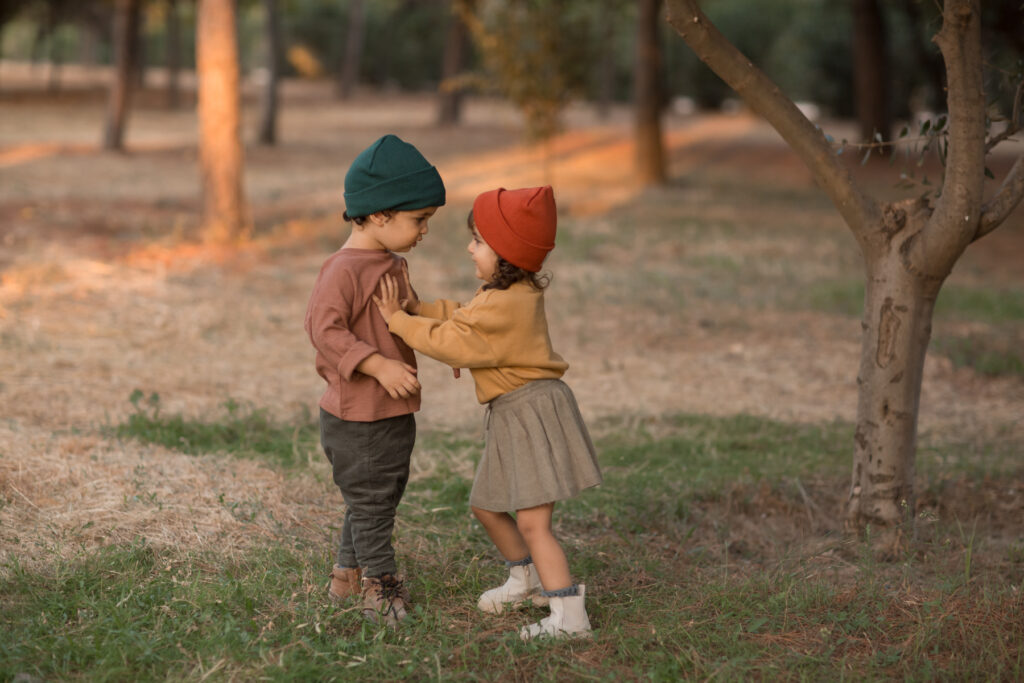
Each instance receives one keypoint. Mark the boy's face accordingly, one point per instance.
(402, 230)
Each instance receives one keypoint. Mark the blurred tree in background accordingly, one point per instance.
(221, 157)
(805, 46)
(536, 53)
(649, 95)
(126, 60)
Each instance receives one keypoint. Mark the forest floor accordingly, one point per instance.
(731, 291)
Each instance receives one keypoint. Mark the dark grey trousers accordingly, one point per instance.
(371, 467)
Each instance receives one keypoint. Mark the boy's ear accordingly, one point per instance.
(379, 218)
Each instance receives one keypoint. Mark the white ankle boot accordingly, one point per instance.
(568, 619)
(523, 584)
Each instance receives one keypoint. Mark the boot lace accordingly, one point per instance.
(391, 587)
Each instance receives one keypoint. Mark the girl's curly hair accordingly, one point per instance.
(506, 274)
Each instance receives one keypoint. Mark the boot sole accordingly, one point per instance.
(525, 634)
(502, 607)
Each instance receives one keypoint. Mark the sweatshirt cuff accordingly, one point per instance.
(397, 320)
(352, 358)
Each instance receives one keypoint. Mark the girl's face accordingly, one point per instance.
(484, 258)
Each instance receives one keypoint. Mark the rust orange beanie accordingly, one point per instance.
(519, 225)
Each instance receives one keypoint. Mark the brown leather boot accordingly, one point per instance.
(345, 583)
(385, 599)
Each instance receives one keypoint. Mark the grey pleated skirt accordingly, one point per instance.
(537, 449)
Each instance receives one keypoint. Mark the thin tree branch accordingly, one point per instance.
(1014, 125)
(958, 210)
(1001, 205)
(859, 211)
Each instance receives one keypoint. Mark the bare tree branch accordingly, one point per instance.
(1014, 125)
(859, 211)
(1001, 205)
(959, 207)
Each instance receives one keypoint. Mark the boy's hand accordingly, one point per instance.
(397, 378)
(387, 301)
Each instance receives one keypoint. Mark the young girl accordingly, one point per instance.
(537, 448)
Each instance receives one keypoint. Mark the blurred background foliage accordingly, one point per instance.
(568, 48)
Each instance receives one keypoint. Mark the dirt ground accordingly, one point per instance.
(105, 289)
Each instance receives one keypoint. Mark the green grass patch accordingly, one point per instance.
(838, 297)
(702, 459)
(982, 353)
(954, 302)
(671, 592)
(241, 431)
(982, 305)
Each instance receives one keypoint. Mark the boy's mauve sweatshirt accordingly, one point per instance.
(501, 336)
(345, 327)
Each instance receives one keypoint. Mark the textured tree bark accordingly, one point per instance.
(220, 147)
(650, 148)
(909, 248)
(898, 306)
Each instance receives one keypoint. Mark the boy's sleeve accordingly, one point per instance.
(460, 341)
(327, 323)
(442, 309)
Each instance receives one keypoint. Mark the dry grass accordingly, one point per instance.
(103, 290)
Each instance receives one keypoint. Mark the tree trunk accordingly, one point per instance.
(53, 78)
(268, 114)
(909, 247)
(350, 65)
(126, 20)
(173, 55)
(605, 73)
(449, 110)
(870, 71)
(220, 147)
(138, 48)
(650, 149)
(898, 306)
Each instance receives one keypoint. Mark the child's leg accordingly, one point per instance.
(503, 532)
(534, 525)
(568, 615)
(346, 556)
(371, 468)
(522, 584)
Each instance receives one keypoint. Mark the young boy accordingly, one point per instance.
(367, 426)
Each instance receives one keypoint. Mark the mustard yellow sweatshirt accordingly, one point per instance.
(501, 336)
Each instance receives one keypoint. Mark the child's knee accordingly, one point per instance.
(531, 528)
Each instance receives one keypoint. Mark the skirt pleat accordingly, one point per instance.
(537, 449)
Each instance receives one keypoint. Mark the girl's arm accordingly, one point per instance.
(459, 341)
(441, 309)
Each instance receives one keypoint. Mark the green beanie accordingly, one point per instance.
(391, 174)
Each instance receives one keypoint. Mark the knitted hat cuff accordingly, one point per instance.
(416, 190)
(519, 225)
